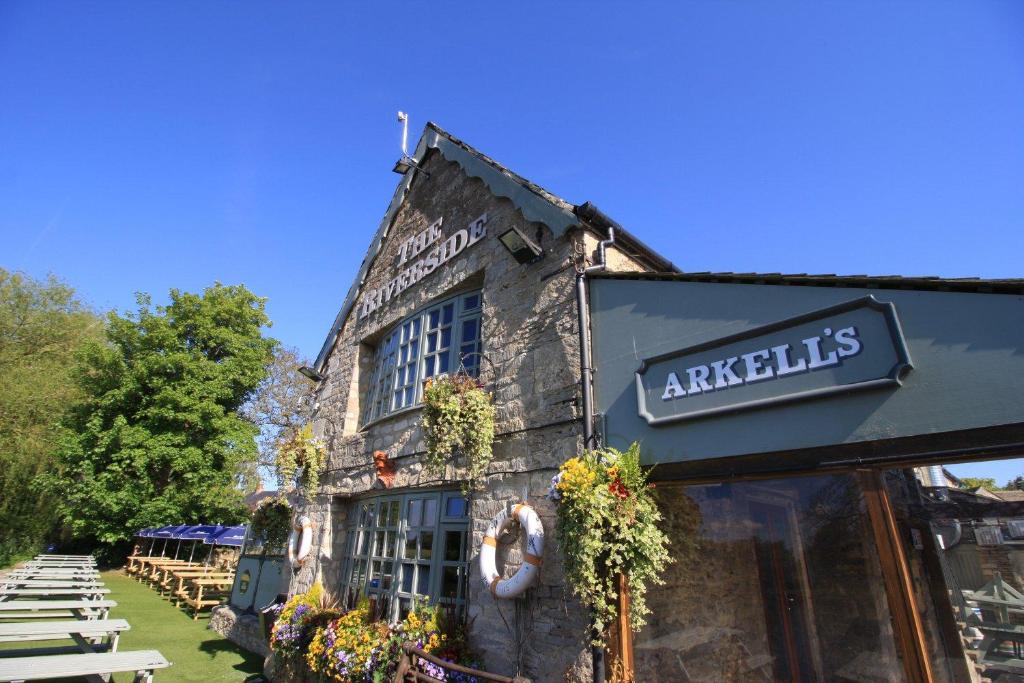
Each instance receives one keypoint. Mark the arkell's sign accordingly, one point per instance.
(850, 347)
(434, 256)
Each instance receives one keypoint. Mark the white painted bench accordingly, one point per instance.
(48, 583)
(87, 593)
(92, 666)
(31, 609)
(78, 631)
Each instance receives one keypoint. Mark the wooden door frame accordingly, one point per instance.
(899, 588)
(908, 627)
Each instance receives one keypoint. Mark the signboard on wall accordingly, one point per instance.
(419, 256)
(853, 346)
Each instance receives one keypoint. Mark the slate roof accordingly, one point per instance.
(533, 201)
(928, 282)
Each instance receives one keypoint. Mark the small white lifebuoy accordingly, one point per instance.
(524, 577)
(300, 541)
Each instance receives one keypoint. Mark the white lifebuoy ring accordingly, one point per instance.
(300, 541)
(524, 577)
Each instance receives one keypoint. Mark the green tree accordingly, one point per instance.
(281, 406)
(1015, 484)
(158, 438)
(42, 325)
(983, 482)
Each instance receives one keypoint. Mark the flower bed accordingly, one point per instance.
(312, 633)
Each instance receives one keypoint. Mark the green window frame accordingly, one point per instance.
(403, 547)
(434, 341)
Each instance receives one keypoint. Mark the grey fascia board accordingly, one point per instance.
(533, 207)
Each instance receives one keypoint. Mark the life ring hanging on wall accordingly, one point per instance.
(300, 541)
(527, 573)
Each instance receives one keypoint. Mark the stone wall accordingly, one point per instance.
(531, 364)
(241, 629)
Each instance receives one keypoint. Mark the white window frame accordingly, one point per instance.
(415, 349)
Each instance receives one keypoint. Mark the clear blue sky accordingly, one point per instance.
(150, 145)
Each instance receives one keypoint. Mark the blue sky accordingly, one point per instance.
(152, 145)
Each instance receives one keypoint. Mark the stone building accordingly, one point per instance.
(439, 291)
(785, 417)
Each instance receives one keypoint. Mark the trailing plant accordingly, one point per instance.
(300, 460)
(458, 420)
(607, 509)
(273, 520)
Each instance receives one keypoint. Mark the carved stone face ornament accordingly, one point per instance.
(385, 470)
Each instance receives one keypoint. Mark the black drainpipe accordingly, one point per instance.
(591, 214)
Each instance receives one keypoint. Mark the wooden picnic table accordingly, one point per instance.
(156, 565)
(82, 632)
(190, 577)
(136, 562)
(93, 666)
(218, 589)
(34, 609)
(14, 593)
(183, 575)
(161, 574)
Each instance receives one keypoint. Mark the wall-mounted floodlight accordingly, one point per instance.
(522, 248)
(403, 165)
(311, 373)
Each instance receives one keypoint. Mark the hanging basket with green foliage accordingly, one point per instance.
(273, 521)
(300, 460)
(608, 524)
(458, 426)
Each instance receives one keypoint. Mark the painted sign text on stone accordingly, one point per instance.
(436, 255)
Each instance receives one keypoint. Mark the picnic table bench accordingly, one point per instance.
(45, 609)
(91, 593)
(60, 570)
(49, 583)
(137, 562)
(92, 666)
(157, 565)
(79, 631)
(216, 590)
(162, 573)
(184, 576)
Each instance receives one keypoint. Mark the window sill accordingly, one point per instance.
(391, 416)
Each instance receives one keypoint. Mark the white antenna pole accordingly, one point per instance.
(404, 118)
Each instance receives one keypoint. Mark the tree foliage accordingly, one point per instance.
(983, 482)
(281, 405)
(42, 325)
(158, 437)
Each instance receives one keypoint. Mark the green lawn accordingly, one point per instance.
(195, 652)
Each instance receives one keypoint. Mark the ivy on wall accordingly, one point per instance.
(300, 460)
(458, 426)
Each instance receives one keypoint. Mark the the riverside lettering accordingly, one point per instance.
(764, 364)
(414, 246)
